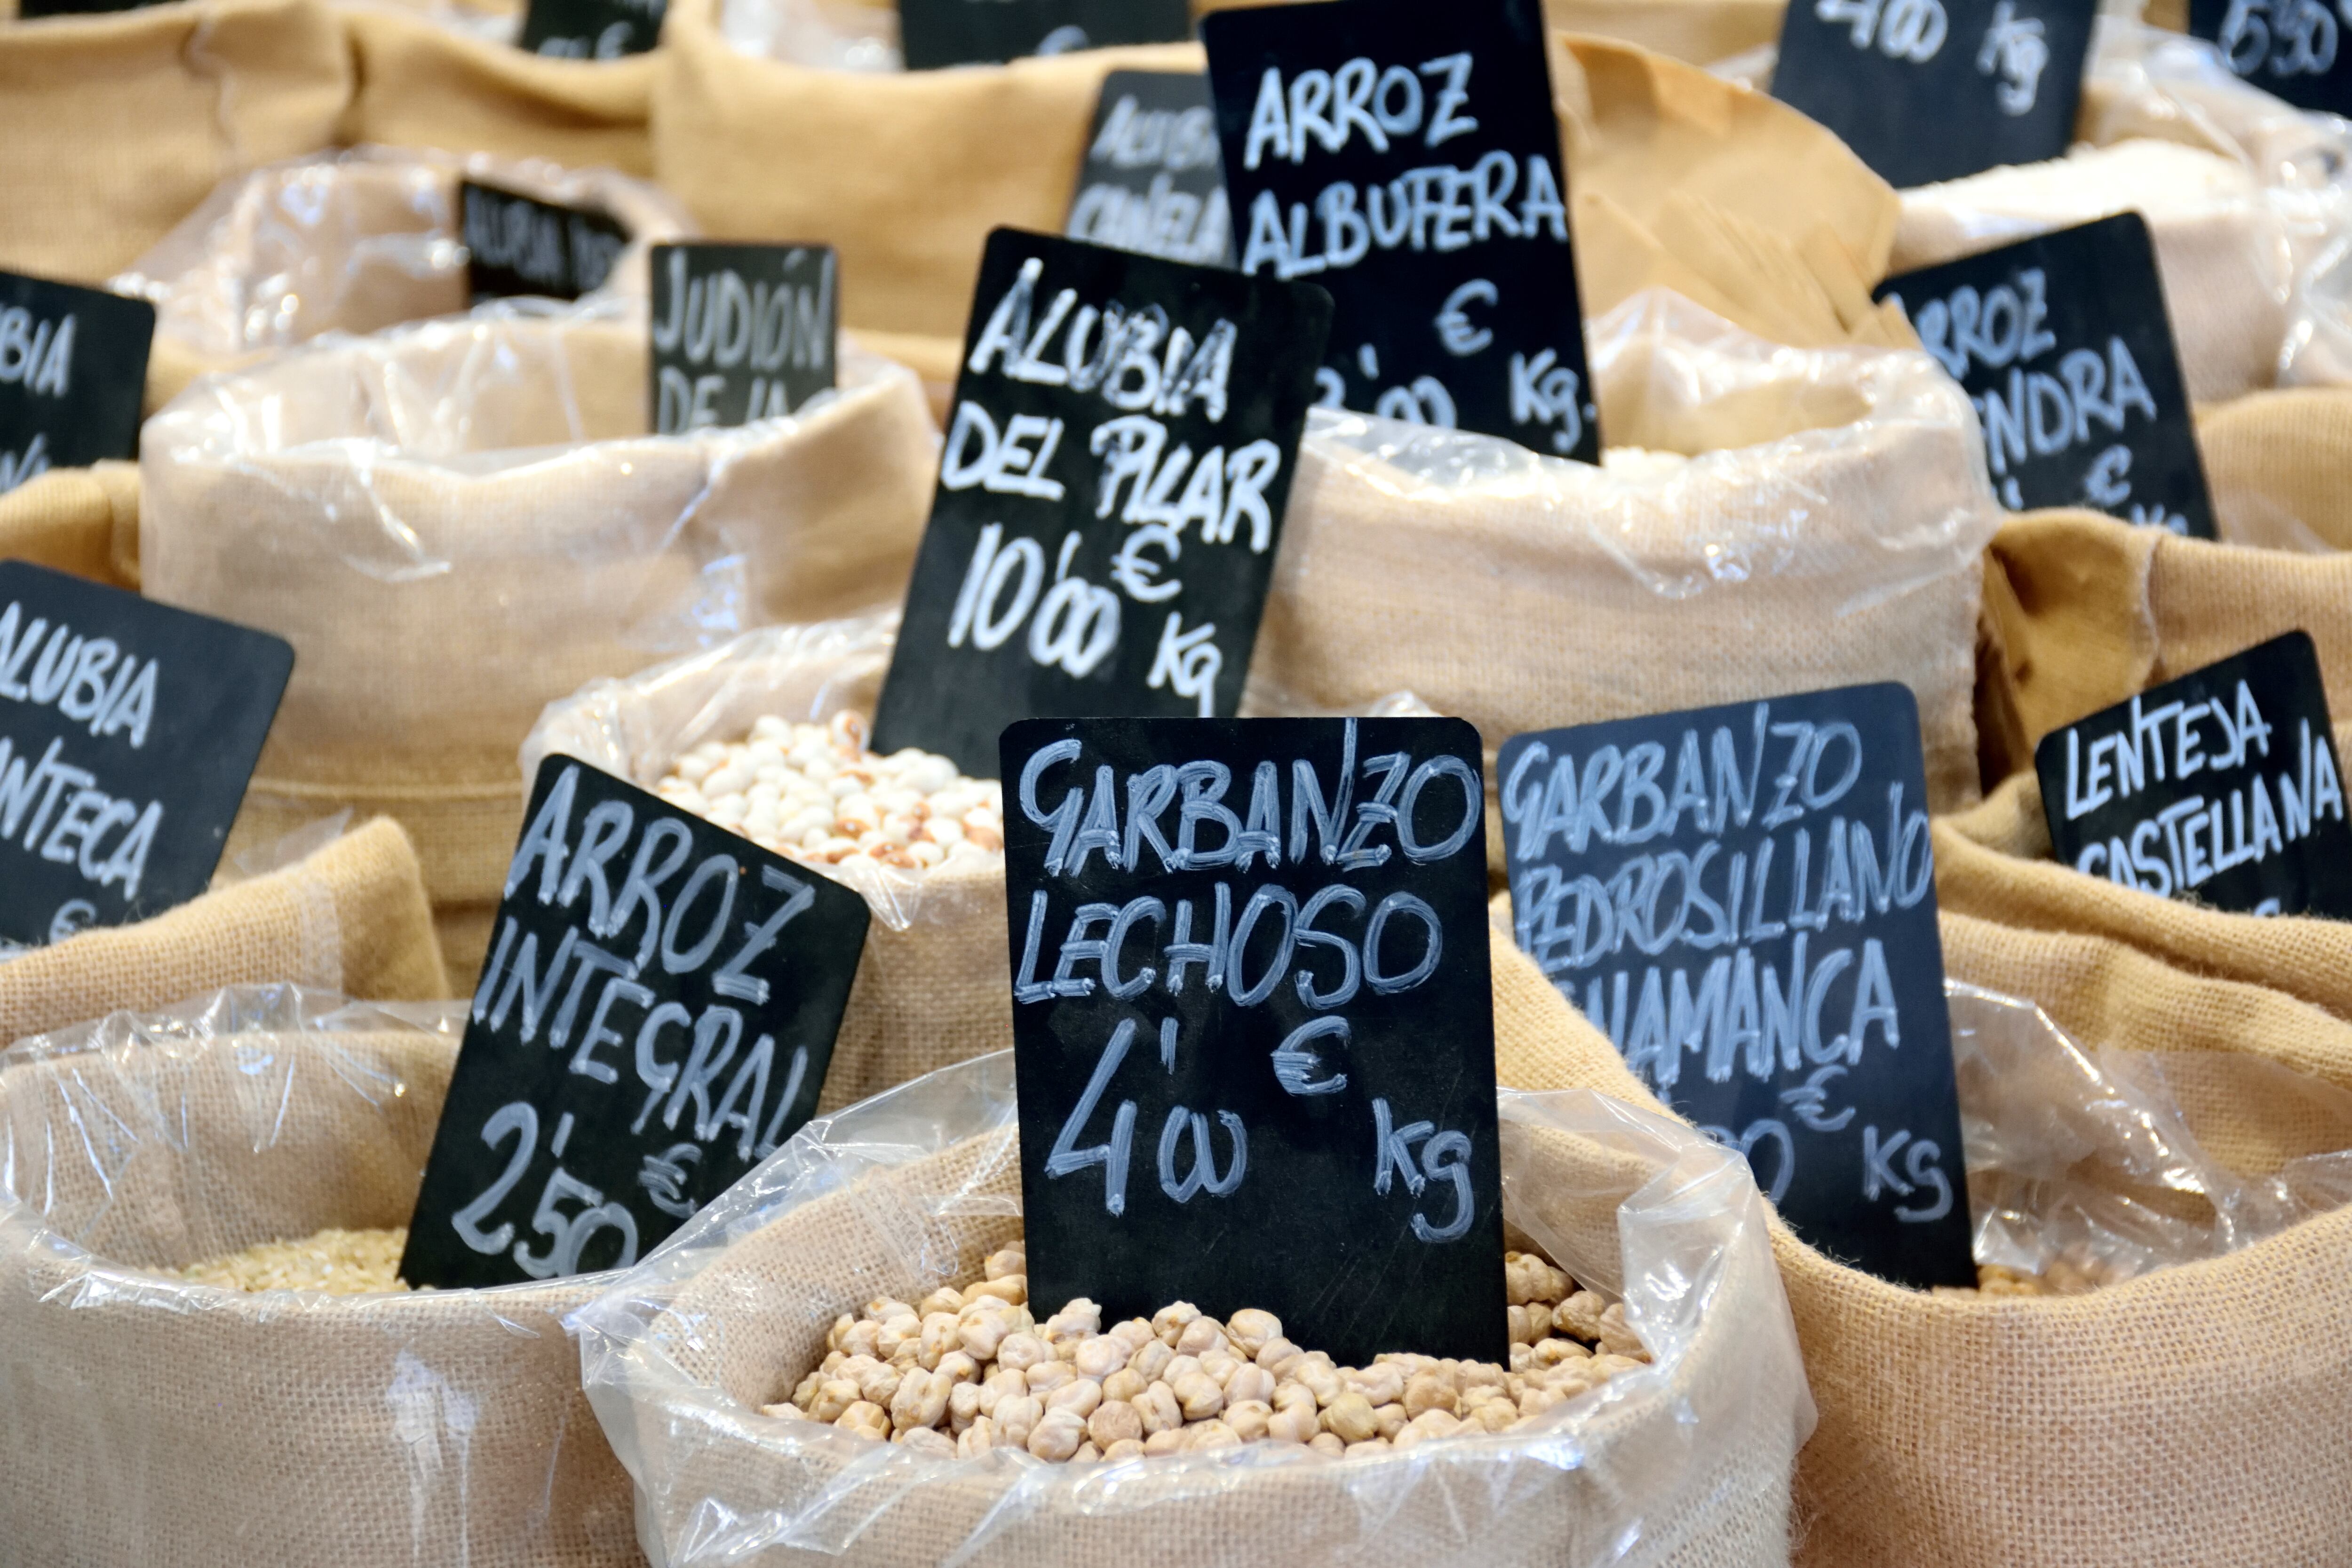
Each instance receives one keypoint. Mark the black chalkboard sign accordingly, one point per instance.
(592, 29)
(1152, 181)
(2220, 788)
(128, 731)
(2290, 48)
(1407, 158)
(73, 366)
(936, 32)
(740, 333)
(2066, 347)
(520, 245)
(1932, 90)
(28, 10)
(1110, 495)
(1743, 899)
(656, 1017)
(1253, 1028)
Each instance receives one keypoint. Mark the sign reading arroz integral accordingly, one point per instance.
(1152, 182)
(1111, 495)
(1743, 899)
(2221, 788)
(73, 366)
(1406, 158)
(740, 331)
(520, 245)
(656, 1017)
(2064, 344)
(936, 32)
(2290, 48)
(128, 731)
(1252, 1024)
(592, 29)
(1932, 90)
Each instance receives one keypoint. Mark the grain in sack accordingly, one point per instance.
(154, 1418)
(1683, 1458)
(456, 523)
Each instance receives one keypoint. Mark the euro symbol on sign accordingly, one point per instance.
(664, 1178)
(1809, 1103)
(1455, 329)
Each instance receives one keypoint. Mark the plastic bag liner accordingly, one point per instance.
(932, 987)
(1823, 530)
(155, 1421)
(842, 34)
(353, 242)
(1685, 1461)
(458, 521)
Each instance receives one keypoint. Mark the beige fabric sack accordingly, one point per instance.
(458, 522)
(350, 242)
(1827, 534)
(82, 521)
(115, 126)
(1697, 32)
(2279, 465)
(2117, 1429)
(1685, 1462)
(157, 1422)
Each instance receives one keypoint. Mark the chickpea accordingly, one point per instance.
(1220, 1366)
(1325, 1443)
(963, 1407)
(1349, 1417)
(1249, 1418)
(1249, 1383)
(1368, 1448)
(1253, 1329)
(1135, 1333)
(784, 1412)
(927, 1441)
(1049, 1375)
(976, 1439)
(1149, 1361)
(1380, 1385)
(1200, 1337)
(1017, 1417)
(1274, 1353)
(1100, 1356)
(1579, 1315)
(1124, 1450)
(1076, 1319)
(1019, 1353)
(1058, 1435)
(922, 1400)
(1210, 1433)
(1168, 1440)
(1319, 1375)
(1392, 1419)
(867, 1419)
(1427, 1393)
(1011, 1260)
(982, 1332)
(1198, 1395)
(957, 1367)
(1115, 1421)
(834, 1399)
(1617, 1337)
(1087, 1454)
(1292, 1426)
(1011, 1289)
(1158, 1406)
(946, 1299)
(1000, 1384)
(1125, 1385)
(1169, 1321)
(1081, 1394)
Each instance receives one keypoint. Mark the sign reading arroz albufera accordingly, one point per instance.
(1406, 158)
(1111, 495)
(740, 331)
(656, 1017)
(592, 29)
(2064, 344)
(2290, 48)
(1152, 182)
(73, 366)
(1743, 899)
(518, 245)
(936, 33)
(128, 731)
(2220, 788)
(1253, 1029)
(1932, 90)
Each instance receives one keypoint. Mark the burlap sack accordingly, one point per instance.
(1829, 535)
(156, 1421)
(82, 521)
(350, 917)
(456, 523)
(1698, 32)
(115, 126)
(2277, 465)
(2130, 1426)
(1685, 1463)
(349, 242)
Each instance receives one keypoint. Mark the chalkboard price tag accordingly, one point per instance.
(740, 331)
(128, 730)
(73, 366)
(518, 245)
(1111, 495)
(936, 33)
(656, 1017)
(1743, 899)
(2220, 788)
(1152, 182)
(29, 10)
(1407, 158)
(592, 29)
(1926, 90)
(2064, 344)
(2290, 48)
(1253, 1030)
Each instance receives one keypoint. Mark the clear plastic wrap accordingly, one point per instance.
(154, 1420)
(1796, 519)
(835, 35)
(1685, 1461)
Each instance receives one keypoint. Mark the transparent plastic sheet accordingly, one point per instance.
(147, 1415)
(490, 22)
(834, 35)
(1792, 518)
(1684, 1461)
(2086, 1167)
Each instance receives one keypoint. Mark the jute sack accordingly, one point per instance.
(116, 125)
(2059, 1430)
(159, 1422)
(1697, 32)
(1684, 1462)
(350, 242)
(1825, 532)
(2279, 465)
(458, 522)
(82, 521)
